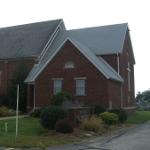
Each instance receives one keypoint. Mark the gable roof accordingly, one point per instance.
(58, 42)
(92, 42)
(44, 40)
(26, 40)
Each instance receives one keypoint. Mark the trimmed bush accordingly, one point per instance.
(109, 118)
(93, 124)
(97, 108)
(122, 115)
(64, 126)
(60, 97)
(50, 115)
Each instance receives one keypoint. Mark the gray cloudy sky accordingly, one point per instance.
(88, 13)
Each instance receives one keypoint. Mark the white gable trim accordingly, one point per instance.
(50, 41)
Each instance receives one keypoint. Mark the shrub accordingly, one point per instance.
(122, 115)
(97, 108)
(109, 118)
(64, 126)
(3, 111)
(50, 115)
(36, 112)
(11, 112)
(93, 124)
(60, 97)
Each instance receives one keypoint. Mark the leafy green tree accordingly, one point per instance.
(143, 96)
(19, 75)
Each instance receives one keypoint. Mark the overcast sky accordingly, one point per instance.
(89, 13)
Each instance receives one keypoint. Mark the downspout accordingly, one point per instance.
(121, 97)
(121, 93)
(34, 99)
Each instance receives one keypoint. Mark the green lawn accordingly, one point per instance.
(139, 117)
(28, 129)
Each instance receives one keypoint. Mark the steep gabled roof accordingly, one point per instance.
(91, 42)
(58, 42)
(26, 40)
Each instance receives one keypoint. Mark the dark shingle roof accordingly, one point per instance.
(26, 40)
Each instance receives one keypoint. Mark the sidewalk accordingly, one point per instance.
(13, 117)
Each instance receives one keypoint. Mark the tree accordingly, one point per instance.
(143, 96)
(19, 75)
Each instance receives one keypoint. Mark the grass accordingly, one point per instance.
(139, 117)
(28, 130)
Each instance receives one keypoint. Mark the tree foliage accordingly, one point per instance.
(143, 96)
(19, 75)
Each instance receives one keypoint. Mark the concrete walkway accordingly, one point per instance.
(13, 117)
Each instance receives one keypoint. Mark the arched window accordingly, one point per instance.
(69, 64)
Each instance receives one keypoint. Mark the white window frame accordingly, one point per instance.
(57, 82)
(80, 86)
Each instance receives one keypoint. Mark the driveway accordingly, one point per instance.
(134, 138)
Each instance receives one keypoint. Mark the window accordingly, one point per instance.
(128, 99)
(129, 71)
(127, 52)
(80, 87)
(69, 64)
(57, 86)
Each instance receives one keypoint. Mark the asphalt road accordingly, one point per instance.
(134, 138)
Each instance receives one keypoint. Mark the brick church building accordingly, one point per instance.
(95, 64)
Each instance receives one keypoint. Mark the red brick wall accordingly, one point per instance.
(124, 59)
(7, 68)
(95, 84)
(111, 60)
(114, 94)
